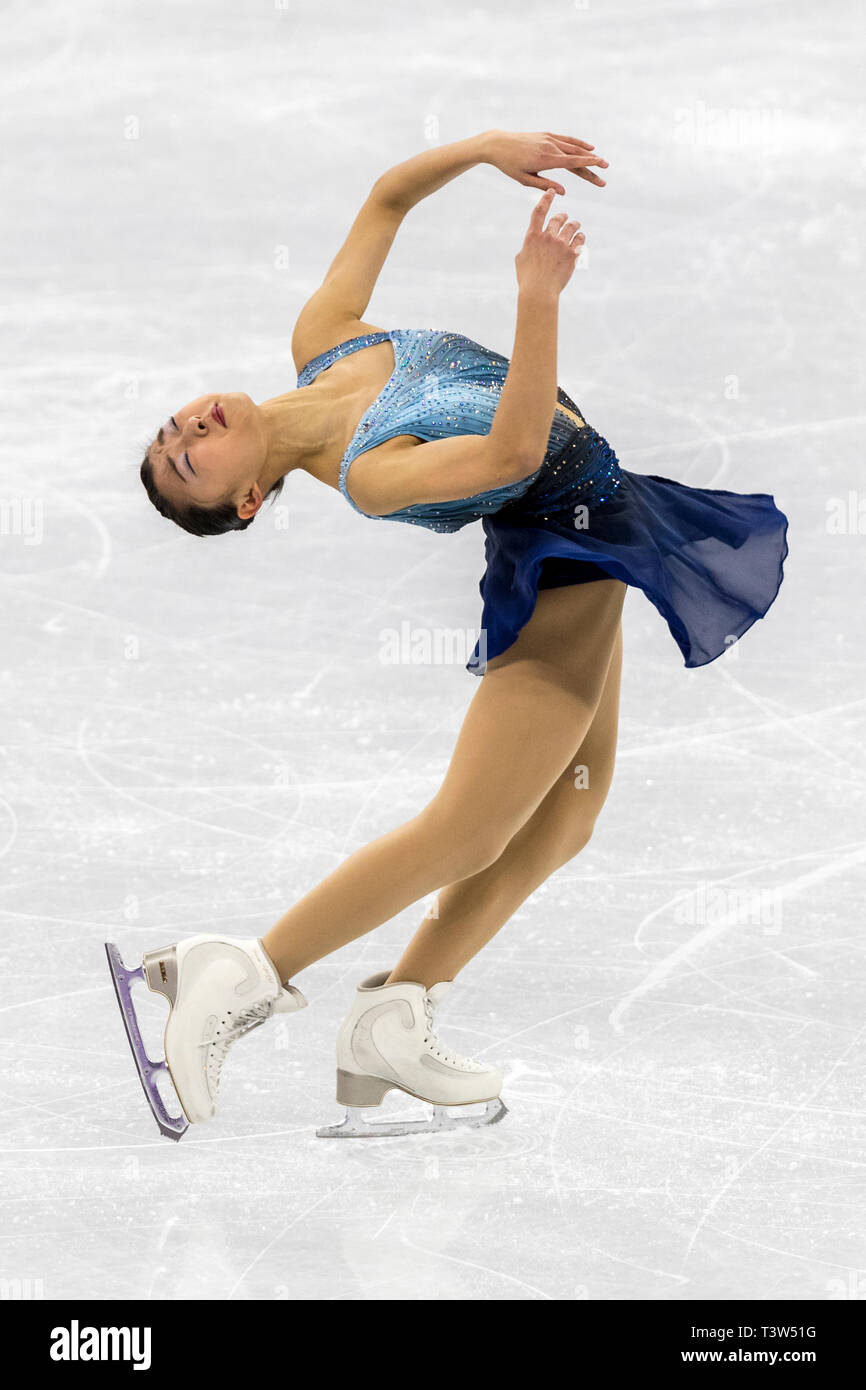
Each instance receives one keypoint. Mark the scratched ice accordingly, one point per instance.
(195, 732)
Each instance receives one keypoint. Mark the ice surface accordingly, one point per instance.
(194, 731)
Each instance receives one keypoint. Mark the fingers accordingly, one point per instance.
(535, 181)
(539, 212)
(583, 161)
(590, 177)
(559, 225)
(570, 140)
(580, 165)
(565, 230)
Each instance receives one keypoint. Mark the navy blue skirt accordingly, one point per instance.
(710, 561)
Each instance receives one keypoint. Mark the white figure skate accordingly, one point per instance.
(218, 988)
(387, 1043)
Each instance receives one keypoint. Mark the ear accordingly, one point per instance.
(251, 503)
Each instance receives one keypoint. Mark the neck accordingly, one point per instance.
(303, 428)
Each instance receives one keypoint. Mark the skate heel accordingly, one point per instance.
(160, 972)
(360, 1090)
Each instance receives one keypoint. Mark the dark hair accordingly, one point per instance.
(198, 521)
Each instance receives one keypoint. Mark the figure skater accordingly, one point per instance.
(428, 427)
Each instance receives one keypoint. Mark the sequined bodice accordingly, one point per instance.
(445, 384)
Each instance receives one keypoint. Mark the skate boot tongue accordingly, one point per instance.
(289, 1000)
(436, 993)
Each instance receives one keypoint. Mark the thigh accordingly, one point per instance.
(533, 709)
(590, 770)
(580, 791)
(562, 823)
(570, 635)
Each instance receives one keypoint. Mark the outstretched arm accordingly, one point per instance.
(520, 156)
(351, 277)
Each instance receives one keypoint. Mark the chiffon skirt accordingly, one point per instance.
(710, 561)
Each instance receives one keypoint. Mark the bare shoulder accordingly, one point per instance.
(321, 324)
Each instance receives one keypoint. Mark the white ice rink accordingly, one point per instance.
(195, 731)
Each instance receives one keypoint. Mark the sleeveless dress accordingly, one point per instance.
(710, 561)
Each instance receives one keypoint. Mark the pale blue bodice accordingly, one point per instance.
(443, 384)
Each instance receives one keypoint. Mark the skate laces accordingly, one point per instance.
(438, 1049)
(242, 1022)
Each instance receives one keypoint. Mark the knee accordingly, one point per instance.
(569, 845)
(472, 854)
(459, 851)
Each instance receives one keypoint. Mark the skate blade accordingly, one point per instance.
(355, 1126)
(172, 1126)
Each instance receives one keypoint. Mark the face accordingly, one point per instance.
(212, 451)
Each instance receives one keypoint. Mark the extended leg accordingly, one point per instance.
(532, 710)
(470, 912)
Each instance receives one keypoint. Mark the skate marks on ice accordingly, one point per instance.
(842, 863)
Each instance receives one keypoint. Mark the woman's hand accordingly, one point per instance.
(546, 260)
(522, 157)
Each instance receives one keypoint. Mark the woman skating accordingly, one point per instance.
(428, 427)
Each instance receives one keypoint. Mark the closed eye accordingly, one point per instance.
(185, 458)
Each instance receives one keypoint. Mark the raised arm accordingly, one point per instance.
(338, 306)
(342, 298)
(392, 476)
